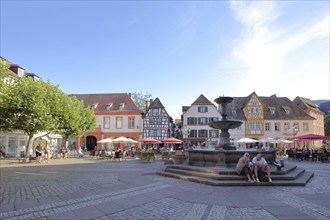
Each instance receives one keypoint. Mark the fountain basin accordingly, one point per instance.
(225, 158)
(226, 124)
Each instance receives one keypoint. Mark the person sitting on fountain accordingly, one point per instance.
(260, 165)
(243, 167)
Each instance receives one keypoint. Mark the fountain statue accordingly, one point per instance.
(224, 154)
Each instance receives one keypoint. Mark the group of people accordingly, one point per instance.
(42, 155)
(252, 169)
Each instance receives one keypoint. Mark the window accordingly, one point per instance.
(119, 122)
(159, 133)
(193, 133)
(106, 122)
(254, 101)
(109, 106)
(155, 112)
(131, 122)
(295, 126)
(152, 121)
(121, 106)
(213, 119)
(93, 107)
(202, 133)
(151, 133)
(255, 126)
(214, 133)
(202, 121)
(20, 72)
(286, 126)
(287, 109)
(305, 126)
(272, 110)
(277, 126)
(267, 126)
(191, 121)
(202, 109)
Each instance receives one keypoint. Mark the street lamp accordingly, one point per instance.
(295, 131)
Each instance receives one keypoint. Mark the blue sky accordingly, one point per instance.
(172, 50)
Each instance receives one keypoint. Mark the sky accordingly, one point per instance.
(173, 50)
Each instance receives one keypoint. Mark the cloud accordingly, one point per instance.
(262, 49)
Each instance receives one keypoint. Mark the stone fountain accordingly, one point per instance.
(224, 154)
(224, 124)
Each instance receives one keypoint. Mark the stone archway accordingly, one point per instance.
(91, 143)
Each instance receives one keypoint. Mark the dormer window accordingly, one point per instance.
(93, 106)
(109, 106)
(287, 109)
(272, 110)
(20, 72)
(121, 106)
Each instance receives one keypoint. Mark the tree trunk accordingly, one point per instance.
(65, 142)
(28, 149)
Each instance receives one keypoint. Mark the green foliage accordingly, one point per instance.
(3, 76)
(140, 100)
(327, 125)
(27, 106)
(74, 118)
(38, 106)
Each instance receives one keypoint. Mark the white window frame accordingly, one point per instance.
(119, 122)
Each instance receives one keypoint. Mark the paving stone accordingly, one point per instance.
(132, 190)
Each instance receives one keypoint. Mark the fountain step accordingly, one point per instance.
(301, 180)
(232, 175)
(227, 170)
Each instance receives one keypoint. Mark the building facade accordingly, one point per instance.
(195, 119)
(274, 117)
(312, 110)
(157, 123)
(116, 114)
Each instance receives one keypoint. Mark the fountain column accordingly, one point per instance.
(224, 124)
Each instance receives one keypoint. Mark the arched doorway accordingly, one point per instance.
(91, 143)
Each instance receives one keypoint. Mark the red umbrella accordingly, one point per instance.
(172, 141)
(150, 141)
(310, 137)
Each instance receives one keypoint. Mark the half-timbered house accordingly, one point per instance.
(157, 123)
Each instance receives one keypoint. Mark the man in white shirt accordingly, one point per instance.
(260, 164)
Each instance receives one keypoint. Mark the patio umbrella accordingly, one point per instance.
(123, 140)
(246, 140)
(107, 140)
(267, 140)
(286, 141)
(150, 141)
(311, 137)
(172, 141)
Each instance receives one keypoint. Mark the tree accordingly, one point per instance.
(75, 119)
(4, 68)
(327, 125)
(30, 106)
(141, 99)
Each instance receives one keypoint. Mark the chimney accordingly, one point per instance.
(147, 105)
(130, 95)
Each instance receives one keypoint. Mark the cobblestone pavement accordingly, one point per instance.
(95, 189)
